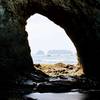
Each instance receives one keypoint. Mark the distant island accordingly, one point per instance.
(59, 52)
(40, 52)
(55, 56)
(54, 52)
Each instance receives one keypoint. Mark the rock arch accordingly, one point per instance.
(79, 18)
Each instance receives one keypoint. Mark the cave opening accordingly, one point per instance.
(52, 50)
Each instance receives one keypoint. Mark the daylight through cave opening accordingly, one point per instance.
(49, 43)
(48, 39)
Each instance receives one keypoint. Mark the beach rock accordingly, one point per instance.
(66, 84)
(60, 69)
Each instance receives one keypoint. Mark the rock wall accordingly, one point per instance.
(79, 18)
(15, 56)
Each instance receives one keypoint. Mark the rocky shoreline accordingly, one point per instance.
(60, 69)
(38, 81)
(59, 84)
(42, 83)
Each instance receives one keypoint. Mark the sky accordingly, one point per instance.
(43, 34)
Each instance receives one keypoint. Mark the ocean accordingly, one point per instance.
(52, 58)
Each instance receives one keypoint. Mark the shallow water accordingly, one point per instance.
(64, 58)
(65, 96)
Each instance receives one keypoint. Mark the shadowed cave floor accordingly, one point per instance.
(40, 82)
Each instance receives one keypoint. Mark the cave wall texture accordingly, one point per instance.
(79, 18)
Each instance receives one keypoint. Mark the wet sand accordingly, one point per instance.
(65, 96)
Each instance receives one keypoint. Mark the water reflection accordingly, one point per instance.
(57, 96)
(65, 96)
